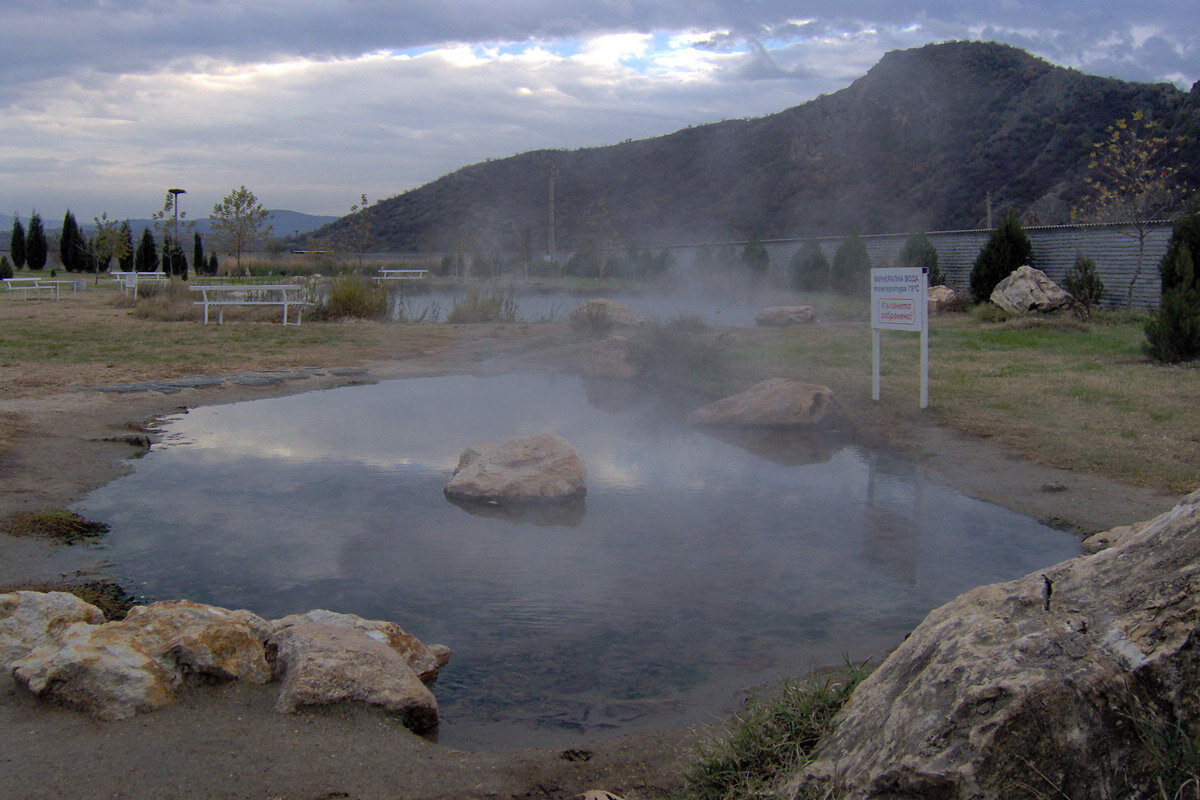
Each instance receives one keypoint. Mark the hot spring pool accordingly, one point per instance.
(695, 568)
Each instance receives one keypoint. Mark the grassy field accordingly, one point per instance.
(1078, 396)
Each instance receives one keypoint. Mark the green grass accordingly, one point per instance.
(771, 738)
(58, 524)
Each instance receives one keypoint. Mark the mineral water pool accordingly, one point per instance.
(695, 568)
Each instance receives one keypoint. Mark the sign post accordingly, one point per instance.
(900, 302)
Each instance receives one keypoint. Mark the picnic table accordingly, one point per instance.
(129, 281)
(285, 295)
(24, 286)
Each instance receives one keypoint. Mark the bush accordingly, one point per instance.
(1173, 334)
(354, 297)
(6, 269)
(1007, 248)
(682, 351)
(918, 251)
(851, 270)
(1084, 284)
(809, 268)
(498, 305)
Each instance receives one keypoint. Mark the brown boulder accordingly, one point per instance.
(544, 467)
(29, 620)
(776, 401)
(1028, 290)
(782, 316)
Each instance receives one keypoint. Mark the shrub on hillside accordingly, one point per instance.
(1007, 248)
(809, 268)
(851, 270)
(1173, 334)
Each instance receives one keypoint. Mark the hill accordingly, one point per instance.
(285, 223)
(918, 143)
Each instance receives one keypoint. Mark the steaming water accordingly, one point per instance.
(695, 569)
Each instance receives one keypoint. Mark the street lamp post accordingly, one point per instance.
(175, 203)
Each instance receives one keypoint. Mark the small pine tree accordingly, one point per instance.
(1084, 284)
(6, 268)
(146, 259)
(213, 265)
(17, 244)
(1007, 248)
(918, 251)
(1173, 334)
(71, 246)
(126, 261)
(850, 273)
(755, 256)
(36, 247)
(198, 262)
(809, 268)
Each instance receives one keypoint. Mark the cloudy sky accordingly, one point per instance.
(104, 104)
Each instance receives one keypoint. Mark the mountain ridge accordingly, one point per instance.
(917, 143)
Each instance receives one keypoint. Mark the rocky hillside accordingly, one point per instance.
(915, 144)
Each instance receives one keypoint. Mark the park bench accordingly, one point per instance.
(287, 296)
(129, 281)
(34, 285)
(402, 274)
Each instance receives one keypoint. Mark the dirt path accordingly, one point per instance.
(229, 743)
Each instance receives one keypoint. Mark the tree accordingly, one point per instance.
(71, 245)
(6, 268)
(174, 262)
(126, 261)
(755, 256)
(1084, 284)
(199, 264)
(110, 241)
(146, 259)
(1133, 177)
(17, 244)
(851, 270)
(1007, 248)
(1173, 334)
(918, 251)
(357, 237)
(238, 221)
(809, 268)
(36, 248)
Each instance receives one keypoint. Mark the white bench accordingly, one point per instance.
(129, 281)
(402, 274)
(287, 296)
(25, 286)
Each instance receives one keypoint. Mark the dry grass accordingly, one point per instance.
(58, 524)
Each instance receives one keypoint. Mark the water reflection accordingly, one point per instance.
(698, 568)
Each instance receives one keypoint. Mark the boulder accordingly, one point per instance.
(943, 298)
(1045, 686)
(544, 467)
(606, 358)
(599, 315)
(29, 620)
(1113, 537)
(423, 659)
(118, 669)
(324, 663)
(782, 316)
(775, 401)
(1028, 290)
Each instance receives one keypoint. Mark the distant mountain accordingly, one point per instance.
(918, 143)
(284, 224)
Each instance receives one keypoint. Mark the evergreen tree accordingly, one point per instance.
(918, 251)
(851, 270)
(6, 269)
(126, 261)
(1173, 335)
(146, 259)
(213, 266)
(198, 262)
(36, 248)
(71, 245)
(17, 244)
(1007, 248)
(810, 268)
(755, 256)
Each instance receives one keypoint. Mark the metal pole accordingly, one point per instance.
(175, 202)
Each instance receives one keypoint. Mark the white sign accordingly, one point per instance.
(900, 302)
(899, 298)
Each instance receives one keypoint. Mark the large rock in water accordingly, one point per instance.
(775, 401)
(1040, 687)
(540, 468)
(1028, 290)
(601, 314)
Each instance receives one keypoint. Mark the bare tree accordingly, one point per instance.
(238, 221)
